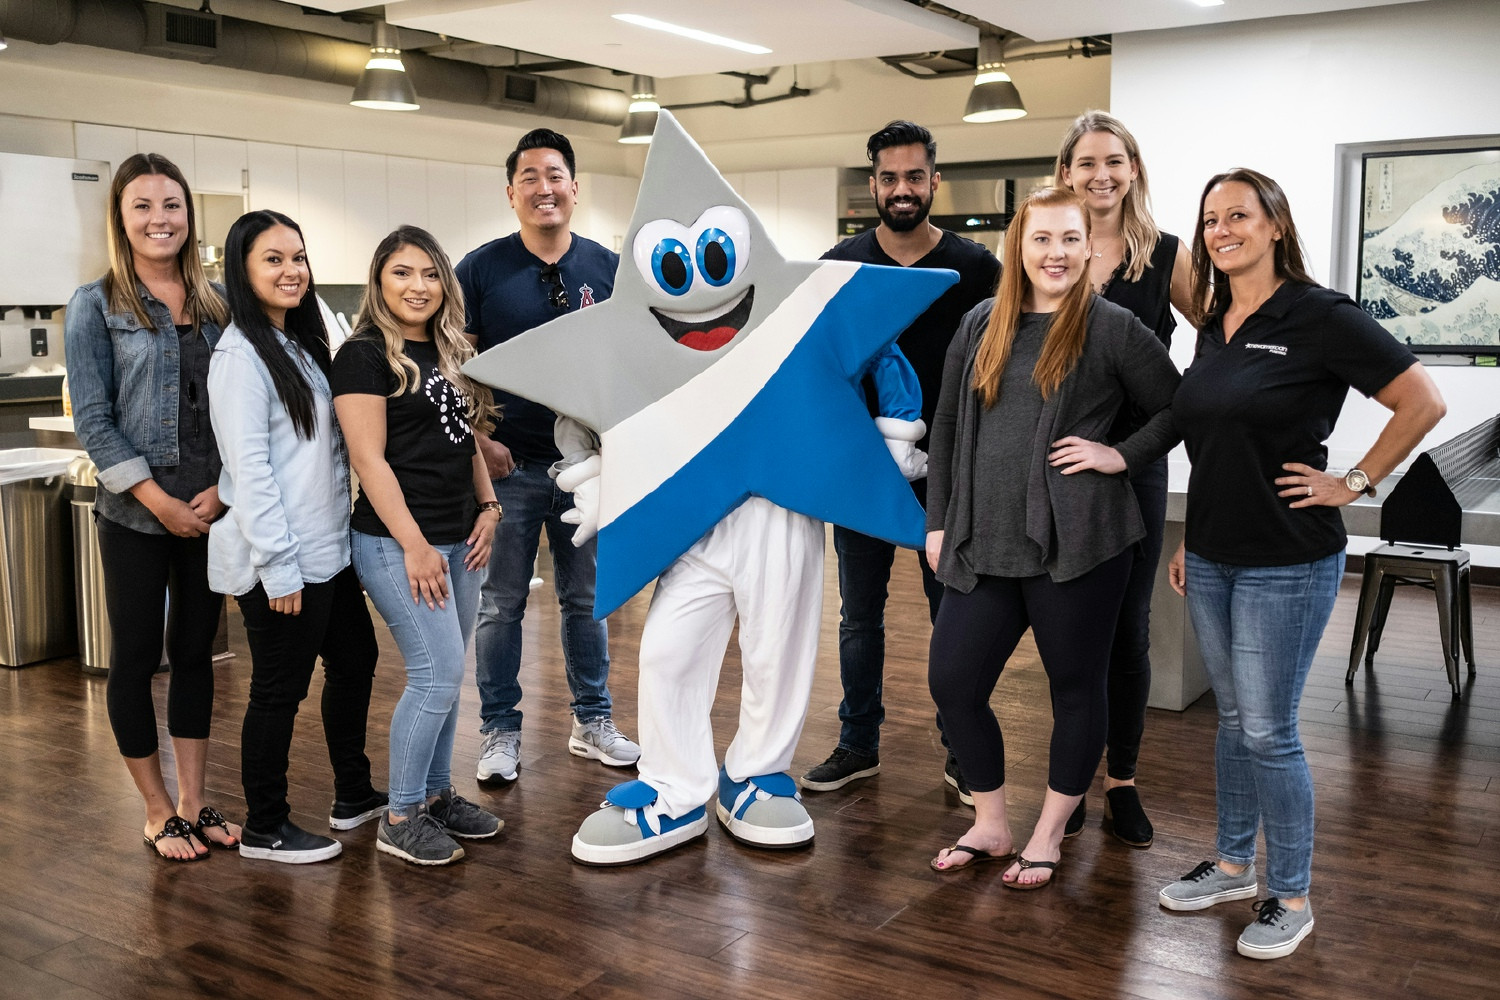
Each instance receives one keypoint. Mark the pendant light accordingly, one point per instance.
(994, 97)
(640, 119)
(384, 84)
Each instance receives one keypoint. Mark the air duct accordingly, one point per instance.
(122, 25)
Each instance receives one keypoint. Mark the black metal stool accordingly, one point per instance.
(1443, 571)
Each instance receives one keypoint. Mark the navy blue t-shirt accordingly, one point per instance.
(505, 294)
(1271, 395)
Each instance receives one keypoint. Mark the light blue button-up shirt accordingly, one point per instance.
(288, 497)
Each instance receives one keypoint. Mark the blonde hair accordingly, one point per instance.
(446, 327)
(1136, 225)
(203, 301)
(1069, 325)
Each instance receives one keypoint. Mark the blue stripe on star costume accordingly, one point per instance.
(805, 442)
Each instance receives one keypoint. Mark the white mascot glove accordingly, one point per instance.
(582, 480)
(901, 437)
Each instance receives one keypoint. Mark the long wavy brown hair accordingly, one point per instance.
(1065, 334)
(203, 301)
(446, 326)
(1137, 226)
(1211, 285)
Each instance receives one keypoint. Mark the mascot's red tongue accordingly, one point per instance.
(708, 340)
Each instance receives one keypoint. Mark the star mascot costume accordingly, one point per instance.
(711, 418)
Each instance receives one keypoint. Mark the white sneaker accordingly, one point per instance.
(500, 756)
(598, 739)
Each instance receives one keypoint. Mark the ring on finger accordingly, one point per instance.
(1309, 489)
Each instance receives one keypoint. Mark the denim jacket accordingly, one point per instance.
(123, 381)
(288, 497)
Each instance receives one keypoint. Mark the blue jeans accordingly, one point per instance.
(864, 575)
(432, 641)
(1258, 628)
(532, 501)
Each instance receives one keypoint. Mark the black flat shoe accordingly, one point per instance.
(1075, 822)
(209, 817)
(1124, 817)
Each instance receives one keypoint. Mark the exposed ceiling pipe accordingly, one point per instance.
(1091, 47)
(246, 45)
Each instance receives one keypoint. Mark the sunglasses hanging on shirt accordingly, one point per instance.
(557, 294)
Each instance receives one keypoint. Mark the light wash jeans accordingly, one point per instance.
(1258, 628)
(432, 641)
(532, 501)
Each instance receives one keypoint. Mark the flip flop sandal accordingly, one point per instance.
(1026, 863)
(175, 827)
(209, 817)
(976, 857)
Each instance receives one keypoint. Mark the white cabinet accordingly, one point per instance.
(320, 196)
(605, 205)
(406, 192)
(219, 165)
(110, 143)
(273, 178)
(365, 212)
(447, 208)
(174, 146)
(797, 207)
(488, 210)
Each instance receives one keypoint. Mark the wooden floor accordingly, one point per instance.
(1406, 871)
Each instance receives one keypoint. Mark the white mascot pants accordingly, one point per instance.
(764, 563)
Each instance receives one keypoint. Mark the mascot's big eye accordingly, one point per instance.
(695, 266)
(672, 267)
(716, 256)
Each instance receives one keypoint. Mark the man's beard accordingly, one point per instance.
(904, 223)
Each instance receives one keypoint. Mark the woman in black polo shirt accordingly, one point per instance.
(1264, 552)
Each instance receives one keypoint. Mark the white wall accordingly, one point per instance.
(1278, 95)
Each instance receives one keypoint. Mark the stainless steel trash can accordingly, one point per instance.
(36, 589)
(88, 570)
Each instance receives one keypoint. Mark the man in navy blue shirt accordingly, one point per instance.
(511, 285)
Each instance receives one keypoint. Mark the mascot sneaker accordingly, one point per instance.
(764, 811)
(623, 831)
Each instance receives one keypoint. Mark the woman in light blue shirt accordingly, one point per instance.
(282, 549)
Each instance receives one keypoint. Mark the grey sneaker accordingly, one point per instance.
(598, 739)
(462, 818)
(1278, 930)
(1206, 885)
(500, 756)
(841, 767)
(420, 840)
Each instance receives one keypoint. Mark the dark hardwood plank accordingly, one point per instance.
(1408, 848)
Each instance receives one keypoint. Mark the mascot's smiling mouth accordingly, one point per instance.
(707, 331)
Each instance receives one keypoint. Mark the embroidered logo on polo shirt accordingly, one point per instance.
(1277, 349)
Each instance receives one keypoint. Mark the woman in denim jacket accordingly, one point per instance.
(283, 547)
(138, 342)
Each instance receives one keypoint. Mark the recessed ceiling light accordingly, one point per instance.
(1209, 3)
(693, 33)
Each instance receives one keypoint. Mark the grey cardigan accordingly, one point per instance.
(1079, 520)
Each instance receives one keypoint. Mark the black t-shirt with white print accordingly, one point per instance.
(428, 441)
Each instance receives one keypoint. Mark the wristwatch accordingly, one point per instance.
(1357, 481)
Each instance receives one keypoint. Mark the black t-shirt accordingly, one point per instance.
(428, 441)
(505, 295)
(1150, 298)
(925, 341)
(1272, 395)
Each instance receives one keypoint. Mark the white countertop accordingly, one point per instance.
(64, 424)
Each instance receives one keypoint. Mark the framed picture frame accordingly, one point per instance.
(1426, 261)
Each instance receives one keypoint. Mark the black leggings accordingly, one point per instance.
(140, 571)
(335, 621)
(975, 634)
(1130, 660)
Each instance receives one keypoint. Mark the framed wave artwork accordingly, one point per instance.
(1429, 248)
